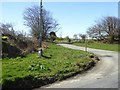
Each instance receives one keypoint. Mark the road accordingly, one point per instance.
(103, 75)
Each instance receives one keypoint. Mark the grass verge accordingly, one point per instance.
(111, 47)
(32, 71)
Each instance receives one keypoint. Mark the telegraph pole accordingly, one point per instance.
(86, 44)
(41, 24)
(40, 27)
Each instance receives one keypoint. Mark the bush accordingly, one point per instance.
(9, 50)
(90, 41)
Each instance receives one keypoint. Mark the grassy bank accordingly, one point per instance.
(31, 71)
(111, 47)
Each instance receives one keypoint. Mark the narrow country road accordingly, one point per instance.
(103, 75)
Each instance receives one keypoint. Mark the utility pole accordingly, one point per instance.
(86, 44)
(41, 30)
(41, 24)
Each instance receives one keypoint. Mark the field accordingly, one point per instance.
(111, 47)
(32, 71)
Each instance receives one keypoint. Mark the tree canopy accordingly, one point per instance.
(33, 20)
(106, 29)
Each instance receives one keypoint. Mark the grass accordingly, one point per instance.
(32, 71)
(111, 47)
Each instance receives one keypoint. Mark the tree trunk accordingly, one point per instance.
(111, 38)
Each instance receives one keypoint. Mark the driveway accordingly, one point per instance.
(103, 75)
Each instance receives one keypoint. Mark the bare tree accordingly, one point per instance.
(96, 32)
(108, 28)
(83, 36)
(7, 29)
(32, 19)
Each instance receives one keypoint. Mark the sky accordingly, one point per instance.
(72, 17)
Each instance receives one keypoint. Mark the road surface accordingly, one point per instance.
(103, 75)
